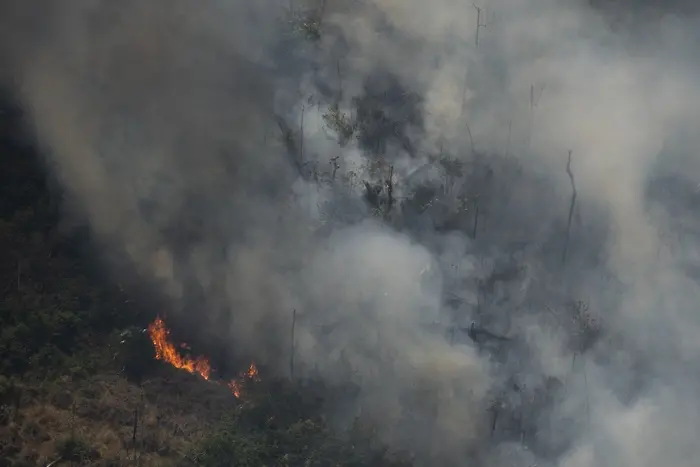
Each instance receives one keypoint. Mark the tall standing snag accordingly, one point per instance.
(475, 224)
(534, 101)
(479, 24)
(301, 136)
(134, 433)
(340, 83)
(291, 345)
(390, 189)
(510, 127)
(572, 205)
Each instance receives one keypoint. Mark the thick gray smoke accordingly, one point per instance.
(237, 153)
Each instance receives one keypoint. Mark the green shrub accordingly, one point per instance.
(76, 450)
(8, 389)
(228, 447)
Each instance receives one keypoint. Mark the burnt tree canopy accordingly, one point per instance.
(387, 114)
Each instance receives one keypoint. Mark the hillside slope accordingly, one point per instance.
(64, 397)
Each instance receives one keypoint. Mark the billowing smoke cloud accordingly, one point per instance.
(370, 165)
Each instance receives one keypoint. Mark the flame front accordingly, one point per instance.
(167, 352)
(235, 388)
(235, 385)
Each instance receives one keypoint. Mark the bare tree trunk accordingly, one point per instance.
(292, 345)
(72, 426)
(510, 127)
(336, 166)
(531, 117)
(390, 189)
(494, 421)
(588, 402)
(340, 82)
(322, 11)
(134, 432)
(475, 226)
(478, 24)
(301, 136)
(571, 373)
(521, 427)
(464, 94)
(142, 405)
(471, 138)
(572, 205)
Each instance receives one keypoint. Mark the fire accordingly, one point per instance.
(235, 385)
(252, 372)
(167, 351)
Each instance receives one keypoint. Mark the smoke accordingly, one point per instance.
(205, 143)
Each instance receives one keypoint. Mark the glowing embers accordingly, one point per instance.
(251, 374)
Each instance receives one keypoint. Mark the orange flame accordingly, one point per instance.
(235, 388)
(167, 352)
(236, 385)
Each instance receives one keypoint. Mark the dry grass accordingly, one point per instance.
(174, 409)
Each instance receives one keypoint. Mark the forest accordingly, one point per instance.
(350, 233)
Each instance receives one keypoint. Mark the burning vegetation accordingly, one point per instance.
(168, 352)
(251, 374)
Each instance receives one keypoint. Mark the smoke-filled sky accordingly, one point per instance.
(163, 119)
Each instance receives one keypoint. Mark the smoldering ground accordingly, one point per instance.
(223, 148)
